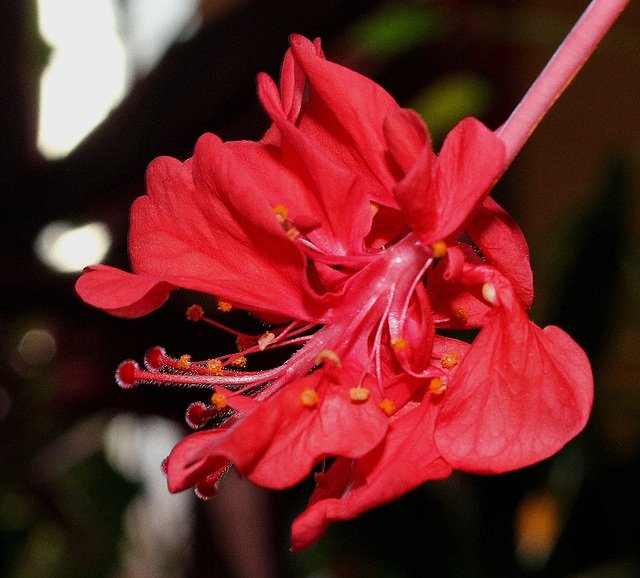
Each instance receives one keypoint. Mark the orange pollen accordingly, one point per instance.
(244, 342)
(398, 343)
(437, 386)
(439, 249)
(214, 367)
(194, 313)
(265, 339)
(308, 397)
(359, 394)
(281, 213)
(387, 406)
(184, 362)
(374, 209)
(219, 400)
(224, 306)
(461, 314)
(449, 360)
(239, 361)
(328, 355)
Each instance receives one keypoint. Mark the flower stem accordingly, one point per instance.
(558, 73)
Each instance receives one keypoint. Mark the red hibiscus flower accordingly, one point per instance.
(344, 230)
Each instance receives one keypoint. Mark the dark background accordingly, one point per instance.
(65, 510)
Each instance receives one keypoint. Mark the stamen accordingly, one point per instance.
(214, 367)
(239, 361)
(374, 209)
(194, 313)
(281, 213)
(398, 343)
(461, 314)
(359, 394)
(328, 355)
(439, 249)
(437, 386)
(387, 406)
(184, 362)
(219, 400)
(309, 398)
(489, 293)
(265, 339)
(293, 232)
(224, 306)
(449, 360)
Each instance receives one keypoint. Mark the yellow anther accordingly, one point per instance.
(244, 342)
(437, 386)
(328, 355)
(359, 394)
(281, 213)
(387, 406)
(308, 397)
(214, 367)
(449, 360)
(398, 343)
(194, 313)
(224, 306)
(219, 400)
(239, 361)
(265, 339)
(184, 362)
(374, 209)
(461, 314)
(489, 293)
(439, 249)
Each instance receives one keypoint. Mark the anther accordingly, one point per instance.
(489, 293)
(374, 209)
(359, 394)
(449, 360)
(194, 313)
(214, 367)
(437, 386)
(219, 400)
(239, 361)
(224, 306)
(398, 343)
(264, 340)
(308, 398)
(328, 355)
(281, 213)
(387, 406)
(461, 314)
(439, 249)
(184, 362)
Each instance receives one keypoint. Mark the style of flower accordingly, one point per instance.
(345, 232)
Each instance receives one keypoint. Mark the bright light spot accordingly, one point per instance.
(37, 347)
(86, 75)
(68, 249)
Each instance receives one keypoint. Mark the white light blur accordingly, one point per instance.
(66, 248)
(86, 75)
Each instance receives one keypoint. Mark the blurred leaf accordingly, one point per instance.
(451, 98)
(395, 29)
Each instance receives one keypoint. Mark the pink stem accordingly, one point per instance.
(558, 73)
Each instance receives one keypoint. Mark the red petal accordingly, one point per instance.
(437, 200)
(120, 293)
(520, 394)
(404, 460)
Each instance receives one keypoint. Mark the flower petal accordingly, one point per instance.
(521, 392)
(437, 198)
(404, 460)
